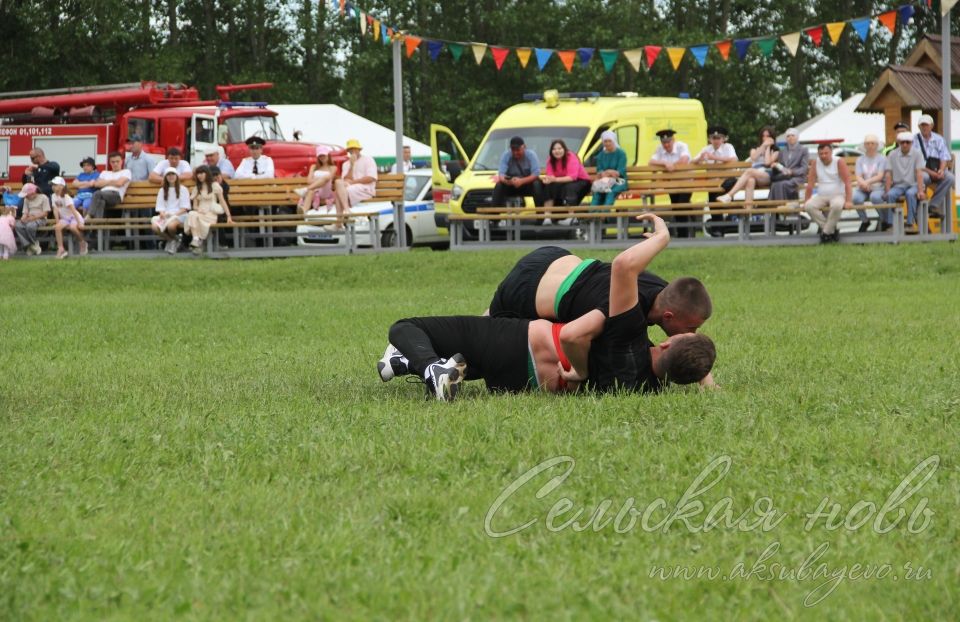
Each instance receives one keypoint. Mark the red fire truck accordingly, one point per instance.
(73, 123)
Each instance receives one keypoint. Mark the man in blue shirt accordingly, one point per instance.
(518, 175)
(138, 162)
(936, 156)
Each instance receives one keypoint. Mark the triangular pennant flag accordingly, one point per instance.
(567, 57)
(676, 56)
(700, 53)
(390, 33)
(585, 55)
(766, 45)
(523, 55)
(376, 29)
(609, 58)
(651, 52)
(861, 27)
(633, 57)
(816, 34)
(383, 33)
(456, 49)
(742, 46)
(906, 12)
(343, 6)
(434, 48)
(542, 57)
(792, 41)
(499, 55)
(724, 48)
(479, 49)
(889, 19)
(412, 44)
(364, 19)
(350, 11)
(945, 6)
(835, 29)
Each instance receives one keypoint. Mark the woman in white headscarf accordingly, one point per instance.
(611, 178)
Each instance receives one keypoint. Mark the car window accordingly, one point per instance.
(412, 185)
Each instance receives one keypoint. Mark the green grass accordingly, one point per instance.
(209, 440)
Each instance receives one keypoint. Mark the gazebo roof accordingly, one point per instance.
(927, 55)
(912, 87)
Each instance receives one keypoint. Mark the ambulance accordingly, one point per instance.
(462, 184)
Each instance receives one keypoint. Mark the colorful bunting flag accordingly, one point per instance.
(479, 49)
(861, 27)
(609, 58)
(889, 19)
(835, 29)
(676, 56)
(567, 57)
(945, 6)
(542, 57)
(456, 49)
(343, 6)
(792, 41)
(412, 44)
(815, 33)
(376, 30)
(434, 48)
(390, 34)
(523, 54)
(700, 53)
(633, 57)
(724, 48)
(742, 46)
(651, 52)
(585, 55)
(499, 55)
(363, 23)
(766, 45)
(906, 12)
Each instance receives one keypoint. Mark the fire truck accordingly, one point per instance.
(74, 123)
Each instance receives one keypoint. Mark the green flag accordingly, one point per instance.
(456, 49)
(766, 45)
(609, 57)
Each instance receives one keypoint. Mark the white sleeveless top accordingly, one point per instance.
(828, 179)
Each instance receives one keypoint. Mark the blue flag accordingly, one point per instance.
(906, 12)
(434, 48)
(383, 34)
(542, 57)
(700, 53)
(585, 55)
(742, 45)
(861, 27)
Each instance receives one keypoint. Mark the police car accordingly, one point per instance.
(418, 218)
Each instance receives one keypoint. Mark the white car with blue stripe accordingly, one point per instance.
(418, 218)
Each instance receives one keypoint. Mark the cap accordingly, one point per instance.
(255, 140)
(904, 137)
(925, 118)
(900, 124)
(871, 138)
(717, 130)
(211, 150)
(58, 181)
(323, 150)
(28, 190)
(666, 134)
(134, 138)
(792, 131)
(353, 143)
(169, 170)
(89, 161)
(516, 141)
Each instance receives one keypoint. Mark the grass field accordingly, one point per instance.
(210, 440)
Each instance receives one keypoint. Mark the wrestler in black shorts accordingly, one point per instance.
(516, 296)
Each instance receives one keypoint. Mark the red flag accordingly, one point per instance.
(343, 6)
(816, 34)
(567, 57)
(724, 48)
(499, 56)
(412, 43)
(889, 19)
(651, 51)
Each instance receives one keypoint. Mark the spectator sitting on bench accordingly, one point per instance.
(936, 155)
(717, 151)
(173, 203)
(904, 180)
(257, 166)
(36, 206)
(67, 216)
(85, 184)
(40, 172)
(174, 160)
(358, 182)
(869, 173)
(670, 153)
(831, 178)
(611, 177)
(898, 127)
(207, 202)
(518, 175)
(213, 157)
(319, 191)
(111, 186)
(790, 169)
(566, 181)
(138, 162)
(762, 159)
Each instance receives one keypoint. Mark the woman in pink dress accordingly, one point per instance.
(8, 243)
(566, 181)
(319, 192)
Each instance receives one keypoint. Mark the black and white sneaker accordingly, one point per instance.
(443, 377)
(392, 364)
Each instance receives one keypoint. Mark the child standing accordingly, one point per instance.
(67, 216)
(84, 183)
(8, 243)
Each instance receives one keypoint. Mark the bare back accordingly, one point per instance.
(549, 285)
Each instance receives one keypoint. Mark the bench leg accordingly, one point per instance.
(897, 224)
(923, 218)
(622, 228)
(744, 227)
(770, 225)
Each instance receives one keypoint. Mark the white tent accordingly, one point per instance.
(331, 124)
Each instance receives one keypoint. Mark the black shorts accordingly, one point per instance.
(516, 296)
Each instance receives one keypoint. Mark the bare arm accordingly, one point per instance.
(811, 182)
(845, 178)
(575, 339)
(631, 262)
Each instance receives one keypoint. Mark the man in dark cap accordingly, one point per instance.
(898, 127)
(518, 175)
(257, 166)
(670, 153)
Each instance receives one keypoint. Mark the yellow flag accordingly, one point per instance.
(835, 29)
(676, 56)
(479, 49)
(792, 41)
(523, 54)
(376, 30)
(633, 57)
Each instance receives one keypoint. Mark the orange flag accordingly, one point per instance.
(676, 56)
(499, 55)
(889, 19)
(724, 48)
(523, 55)
(567, 57)
(412, 43)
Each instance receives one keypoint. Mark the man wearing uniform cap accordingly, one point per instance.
(936, 156)
(904, 179)
(213, 156)
(898, 127)
(717, 151)
(257, 166)
(669, 153)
